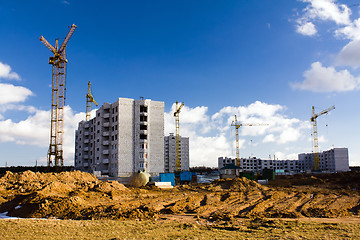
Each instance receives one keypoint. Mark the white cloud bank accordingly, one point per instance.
(326, 79)
(211, 136)
(5, 72)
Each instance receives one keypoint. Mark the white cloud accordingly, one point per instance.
(327, 79)
(328, 10)
(12, 94)
(322, 10)
(284, 156)
(350, 31)
(212, 136)
(306, 28)
(5, 72)
(35, 130)
(350, 54)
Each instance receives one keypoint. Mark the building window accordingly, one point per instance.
(143, 136)
(143, 127)
(116, 118)
(143, 108)
(143, 118)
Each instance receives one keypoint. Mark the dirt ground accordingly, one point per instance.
(81, 196)
(150, 229)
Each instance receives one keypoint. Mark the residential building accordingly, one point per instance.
(124, 137)
(170, 153)
(333, 160)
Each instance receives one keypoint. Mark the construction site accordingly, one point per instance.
(127, 172)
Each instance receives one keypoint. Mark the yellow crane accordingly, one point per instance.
(89, 99)
(237, 125)
(177, 135)
(58, 62)
(315, 134)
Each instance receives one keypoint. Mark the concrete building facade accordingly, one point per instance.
(170, 153)
(333, 160)
(124, 137)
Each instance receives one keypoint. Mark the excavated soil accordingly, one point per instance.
(79, 195)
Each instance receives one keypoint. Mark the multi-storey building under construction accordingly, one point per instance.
(333, 160)
(170, 153)
(124, 137)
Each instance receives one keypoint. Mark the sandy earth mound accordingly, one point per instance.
(78, 195)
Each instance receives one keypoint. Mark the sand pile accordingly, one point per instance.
(78, 195)
(61, 195)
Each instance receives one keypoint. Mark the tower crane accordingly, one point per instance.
(237, 125)
(89, 99)
(316, 143)
(58, 62)
(177, 135)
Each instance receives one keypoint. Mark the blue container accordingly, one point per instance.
(168, 177)
(185, 176)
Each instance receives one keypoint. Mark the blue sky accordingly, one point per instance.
(266, 61)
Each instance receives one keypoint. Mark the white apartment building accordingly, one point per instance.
(170, 153)
(124, 137)
(333, 160)
(257, 165)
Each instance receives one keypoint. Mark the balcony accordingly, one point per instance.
(105, 161)
(105, 143)
(85, 164)
(105, 152)
(86, 133)
(86, 149)
(86, 141)
(106, 134)
(86, 125)
(105, 171)
(86, 156)
(106, 124)
(106, 115)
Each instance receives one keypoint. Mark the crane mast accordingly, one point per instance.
(177, 135)
(58, 62)
(313, 118)
(89, 99)
(237, 125)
